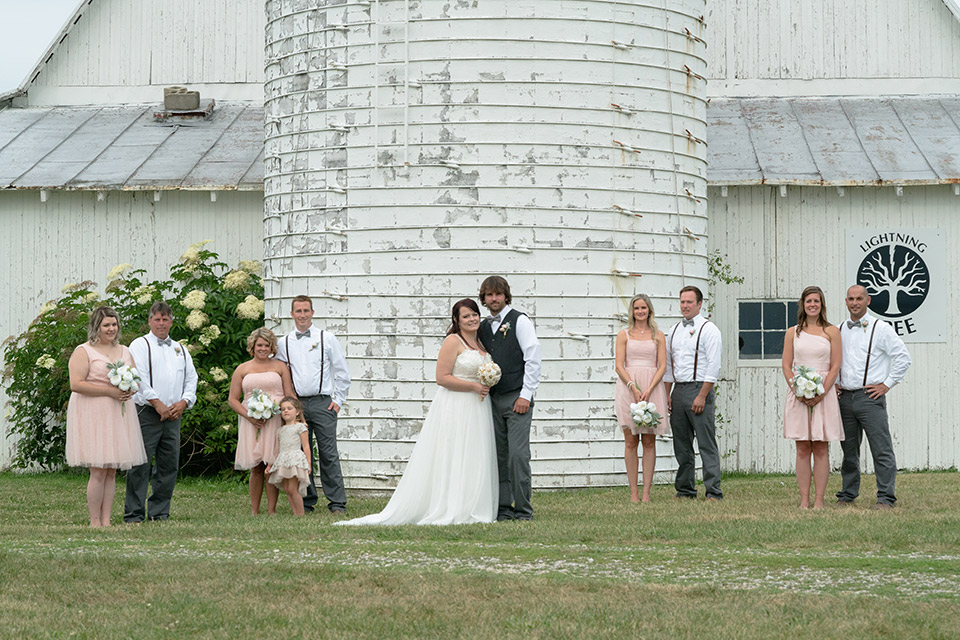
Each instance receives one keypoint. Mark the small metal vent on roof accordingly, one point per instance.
(180, 104)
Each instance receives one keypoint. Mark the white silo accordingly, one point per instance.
(414, 147)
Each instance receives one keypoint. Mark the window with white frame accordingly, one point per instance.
(761, 326)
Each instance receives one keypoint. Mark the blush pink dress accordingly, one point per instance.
(823, 423)
(99, 434)
(641, 365)
(258, 445)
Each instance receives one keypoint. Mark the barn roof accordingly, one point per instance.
(834, 141)
(110, 148)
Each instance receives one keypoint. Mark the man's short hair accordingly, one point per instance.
(495, 284)
(160, 308)
(695, 290)
(301, 298)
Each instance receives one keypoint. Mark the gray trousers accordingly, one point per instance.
(861, 414)
(161, 439)
(512, 434)
(686, 425)
(322, 425)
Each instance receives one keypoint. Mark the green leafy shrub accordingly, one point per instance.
(214, 312)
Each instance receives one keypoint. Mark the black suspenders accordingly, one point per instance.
(696, 353)
(150, 364)
(286, 345)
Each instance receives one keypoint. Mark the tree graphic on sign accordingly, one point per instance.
(892, 272)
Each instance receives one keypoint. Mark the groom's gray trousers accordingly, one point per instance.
(322, 425)
(687, 425)
(512, 434)
(862, 414)
(161, 440)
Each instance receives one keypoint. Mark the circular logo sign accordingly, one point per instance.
(896, 278)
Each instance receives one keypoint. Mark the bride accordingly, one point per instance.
(451, 477)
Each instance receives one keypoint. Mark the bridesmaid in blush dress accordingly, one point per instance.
(257, 441)
(641, 360)
(813, 422)
(103, 432)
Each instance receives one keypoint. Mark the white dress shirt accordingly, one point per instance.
(682, 352)
(527, 337)
(889, 358)
(174, 376)
(305, 361)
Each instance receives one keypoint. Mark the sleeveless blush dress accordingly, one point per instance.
(823, 423)
(258, 445)
(642, 365)
(99, 434)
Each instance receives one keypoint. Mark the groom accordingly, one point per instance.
(509, 337)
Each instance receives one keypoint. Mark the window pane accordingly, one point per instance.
(773, 344)
(774, 315)
(750, 315)
(750, 345)
(791, 313)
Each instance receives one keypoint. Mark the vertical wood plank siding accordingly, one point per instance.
(138, 43)
(781, 245)
(760, 39)
(73, 237)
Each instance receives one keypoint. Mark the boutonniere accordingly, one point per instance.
(863, 323)
(692, 331)
(504, 328)
(176, 349)
(315, 345)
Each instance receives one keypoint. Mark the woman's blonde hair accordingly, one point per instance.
(651, 321)
(96, 319)
(265, 334)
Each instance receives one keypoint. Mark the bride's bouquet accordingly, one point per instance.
(489, 374)
(260, 406)
(123, 377)
(806, 383)
(645, 414)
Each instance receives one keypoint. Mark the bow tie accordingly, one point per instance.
(856, 323)
(303, 334)
(166, 342)
(494, 318)
(687, 323)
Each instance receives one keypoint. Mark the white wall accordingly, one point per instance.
(832, 47)
(73, 237)
(781, 245)
(123, 51)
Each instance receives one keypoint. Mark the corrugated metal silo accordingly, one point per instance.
(413, 148)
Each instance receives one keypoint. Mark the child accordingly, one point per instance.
(291, 469)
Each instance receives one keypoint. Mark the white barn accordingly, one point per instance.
(827, 118)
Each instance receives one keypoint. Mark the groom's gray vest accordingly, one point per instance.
(506, 352)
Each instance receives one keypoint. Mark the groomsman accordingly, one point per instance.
(321, 379)
(693, 367)
(510, 338)
(874, 360)
(168, 387)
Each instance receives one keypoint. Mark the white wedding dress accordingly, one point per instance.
(451, 477)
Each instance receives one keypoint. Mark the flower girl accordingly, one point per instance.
(291, 469)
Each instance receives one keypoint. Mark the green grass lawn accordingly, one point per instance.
(591, 565)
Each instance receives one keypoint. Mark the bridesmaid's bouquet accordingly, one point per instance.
(806, 383)
(261, 406)
(489, 374)
(645, 414)
(123, 377)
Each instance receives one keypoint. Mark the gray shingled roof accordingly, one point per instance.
(110, 148)
(811, 141)
(834, 141)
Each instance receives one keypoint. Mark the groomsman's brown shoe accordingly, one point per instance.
(882, 506)
(844, 503)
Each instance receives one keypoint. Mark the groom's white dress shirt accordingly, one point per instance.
(683, 350)
(527, 338)
(306, 358)
(889, 359)
(174, 376)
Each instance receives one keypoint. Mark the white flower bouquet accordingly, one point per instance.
(489, 374)
(806, 382)
(260, 406)
(123, 377)
(645, 414)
